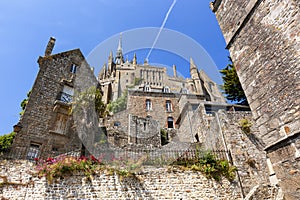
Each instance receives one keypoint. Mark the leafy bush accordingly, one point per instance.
(210, 166)
(119, 104)
(245, 125)
(6, 141)
(90, 98)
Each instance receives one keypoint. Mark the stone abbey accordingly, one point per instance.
(154, 100)
(262, 37)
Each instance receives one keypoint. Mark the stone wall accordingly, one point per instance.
(222, 131)
(18, 181)
(144, 131)
(264, 42)
(245, 149)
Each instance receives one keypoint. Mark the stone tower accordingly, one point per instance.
(264, 42)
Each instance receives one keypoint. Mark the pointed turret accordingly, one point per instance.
(195, 77)
(110, 57)
(193, 70)
(134, 61)
(119, 57)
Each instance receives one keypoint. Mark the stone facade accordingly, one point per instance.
(46, 125)
(151, 92)
(264, 43)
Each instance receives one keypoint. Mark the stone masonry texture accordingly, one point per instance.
(18, 181)
(263, 37)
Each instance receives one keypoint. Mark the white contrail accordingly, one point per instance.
(161, 27)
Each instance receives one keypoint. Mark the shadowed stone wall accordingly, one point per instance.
(264, 42)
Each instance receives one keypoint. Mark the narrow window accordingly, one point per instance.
(148, 104)
(170, 122)
(33, 151)
(73, 68)
(211, 85)
(168, 106)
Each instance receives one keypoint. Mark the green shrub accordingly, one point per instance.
(6, 141)
(245, 125)
(210, 166)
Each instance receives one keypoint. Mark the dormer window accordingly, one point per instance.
(147, 88)
(73, 69)
(166, 89)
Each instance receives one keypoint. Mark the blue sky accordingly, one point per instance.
(25, 28)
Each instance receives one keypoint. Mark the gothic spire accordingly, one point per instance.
(192, 64)
(134, 59)
(119, 56)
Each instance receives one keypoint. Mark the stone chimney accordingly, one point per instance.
(50, 46)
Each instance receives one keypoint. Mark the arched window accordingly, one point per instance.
(147, 88)
(170, 122)
(166, 89)
(168, 106)
(148, 104)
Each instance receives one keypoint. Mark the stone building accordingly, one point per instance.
(46, 126)
(264, 42)
(155, 101)
(154, 94)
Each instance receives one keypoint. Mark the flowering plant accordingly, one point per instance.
(66, 165)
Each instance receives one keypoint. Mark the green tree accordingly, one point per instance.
(6, 141)
(119, 104)
(232, 87)
(87, 98)
(24, 103)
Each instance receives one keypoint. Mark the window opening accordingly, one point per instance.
(170, 122)
(168, 106)
(33, 151)
(73, 69)
(148, 104)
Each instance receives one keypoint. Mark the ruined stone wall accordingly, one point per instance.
(18, 181)
(192, 123)
(144, 131)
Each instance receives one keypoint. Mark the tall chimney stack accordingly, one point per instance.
(50, 46)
